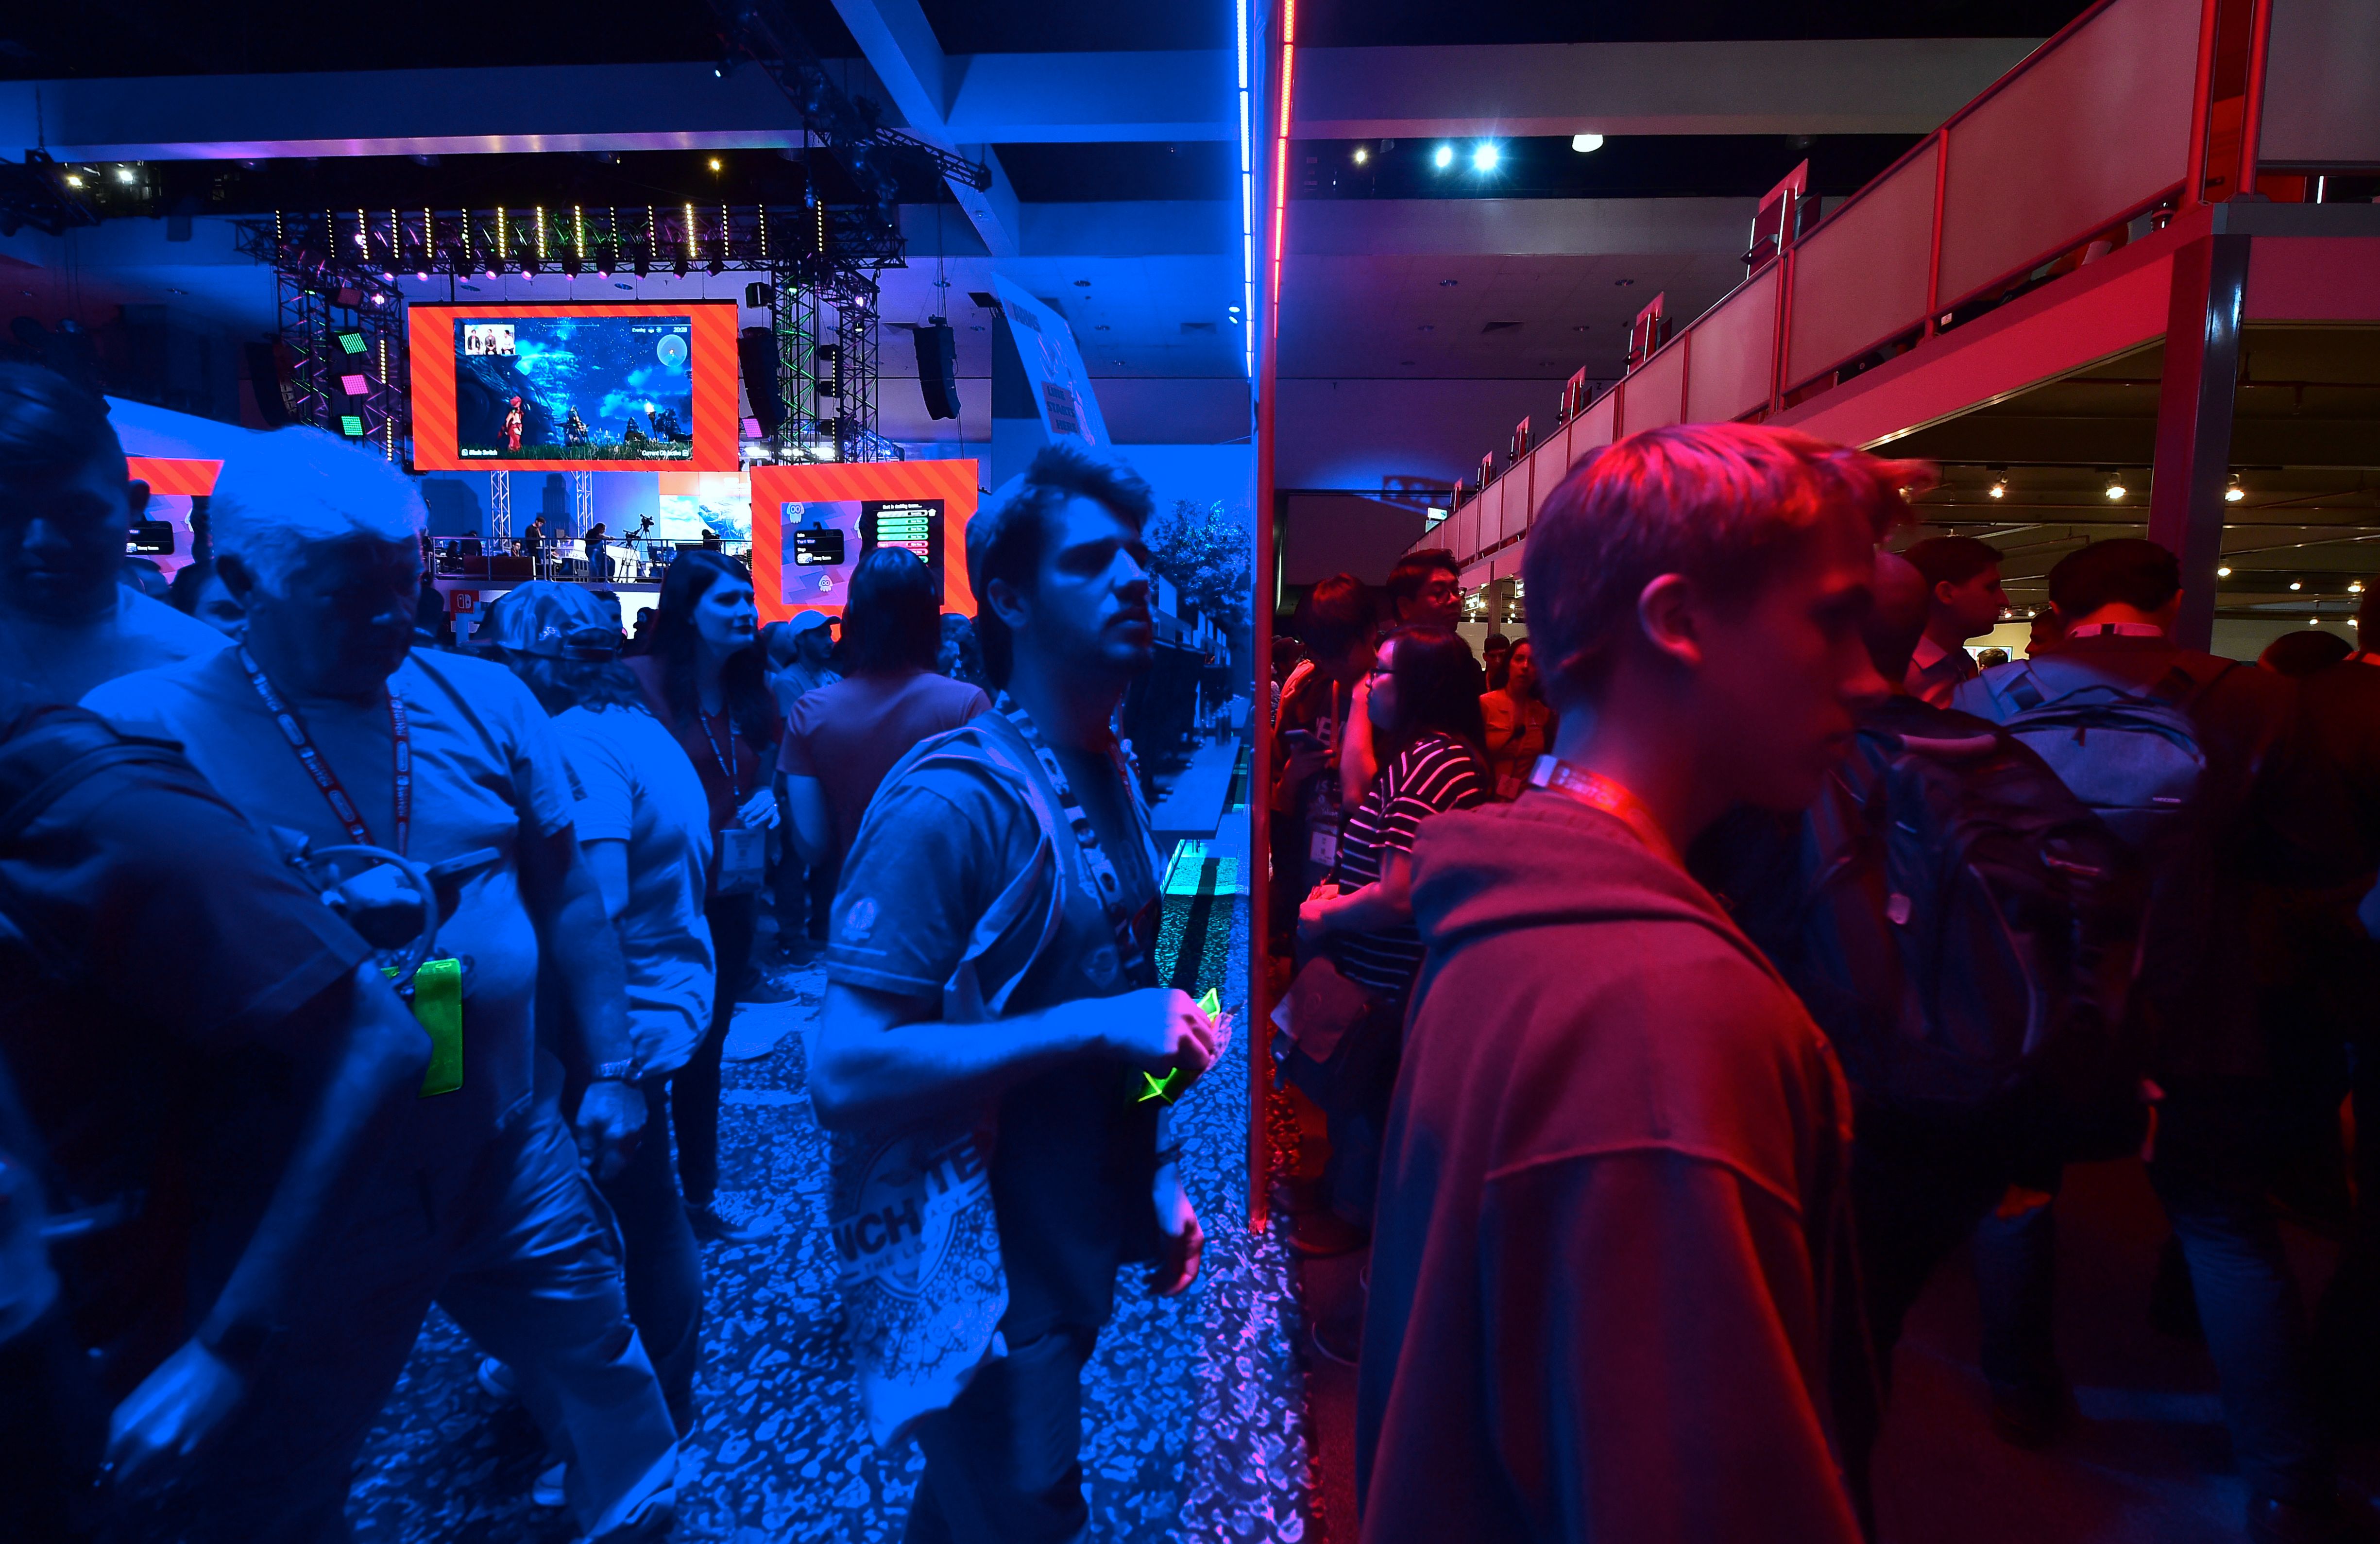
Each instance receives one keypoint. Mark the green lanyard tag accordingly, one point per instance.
(1211, 1004)
(438, 1004)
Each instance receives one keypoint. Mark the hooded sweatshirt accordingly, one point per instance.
(1612, 1243)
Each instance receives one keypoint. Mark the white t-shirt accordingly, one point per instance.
(61, 662)
(636, 786)
(488, 776)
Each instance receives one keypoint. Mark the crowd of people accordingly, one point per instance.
(1669, 1033)
(350, 973)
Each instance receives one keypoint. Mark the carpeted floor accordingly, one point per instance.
(1192, 1424)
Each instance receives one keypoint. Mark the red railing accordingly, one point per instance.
(2127, 112)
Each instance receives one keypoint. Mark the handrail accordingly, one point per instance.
(2131, 53)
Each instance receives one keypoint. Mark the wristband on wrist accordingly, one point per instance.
(613, 1072)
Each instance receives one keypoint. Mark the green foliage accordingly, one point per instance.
(1205, 553)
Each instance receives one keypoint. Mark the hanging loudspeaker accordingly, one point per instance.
(268, 380)
(938, 370)
(758, 348)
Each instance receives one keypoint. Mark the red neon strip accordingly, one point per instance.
(1281, 162)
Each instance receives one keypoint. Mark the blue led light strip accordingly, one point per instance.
(1247, 202)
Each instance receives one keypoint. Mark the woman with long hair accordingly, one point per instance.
(706, 681)
(1520, 724)
(1424, 706)
(644, 827)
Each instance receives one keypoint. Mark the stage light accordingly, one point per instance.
(2223, 573)
(352, 343)
(2116, 489)
(126, 174)
(351, 426)
(73, 181)
(644, 266)
(1583, 143)
(716, 265)
(681, 267)
(1484, 159)
(1362, 155)
(422, 273)
(2234, 493)
(528, 268)
(1442, 157)
(570, 266)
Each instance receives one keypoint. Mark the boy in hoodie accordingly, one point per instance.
(1612, 1249)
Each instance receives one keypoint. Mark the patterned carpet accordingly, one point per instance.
(1193, 1426)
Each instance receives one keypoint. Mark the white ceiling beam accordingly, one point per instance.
(899, 45)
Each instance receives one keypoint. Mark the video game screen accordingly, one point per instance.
(555, 387)
(821, 542)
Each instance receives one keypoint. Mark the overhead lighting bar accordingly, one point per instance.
(1247, 192)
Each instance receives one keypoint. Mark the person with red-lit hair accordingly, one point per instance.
(1611, 1273)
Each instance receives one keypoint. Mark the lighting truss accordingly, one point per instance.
(322, 303)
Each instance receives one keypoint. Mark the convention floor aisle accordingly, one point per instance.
(1192, 1413)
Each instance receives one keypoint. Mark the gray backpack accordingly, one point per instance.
(2131, 754)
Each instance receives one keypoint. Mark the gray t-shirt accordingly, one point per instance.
(60, 662)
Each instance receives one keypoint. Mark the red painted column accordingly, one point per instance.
(2194, 411)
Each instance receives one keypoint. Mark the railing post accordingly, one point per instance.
(2194, 411)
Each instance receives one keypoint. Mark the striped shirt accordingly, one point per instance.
(1434, 774)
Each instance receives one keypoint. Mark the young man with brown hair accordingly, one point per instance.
(1963, 583)
(1612, 1261)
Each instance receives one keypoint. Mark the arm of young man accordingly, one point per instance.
(885, 1056)
(813, 827)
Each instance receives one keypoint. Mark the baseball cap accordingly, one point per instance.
(559, 621)
(803, 621)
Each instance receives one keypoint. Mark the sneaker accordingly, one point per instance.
(551, 1488)
(723, 1219)
(501, 1384)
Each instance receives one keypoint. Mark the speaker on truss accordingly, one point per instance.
(938, 368)
(758, 349)
(759, 297)
(270, 380)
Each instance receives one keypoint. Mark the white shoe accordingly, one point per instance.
(549, 1488)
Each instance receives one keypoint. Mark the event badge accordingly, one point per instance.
(1507, 787)
(743, 860)
(438, 1005)
(1325, 850)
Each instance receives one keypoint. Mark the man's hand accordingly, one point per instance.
(1302, 764)
(611, 1115)
(759, 810)
(1160, 1028)
(1177, 1259)
(1314, 911)
(171, 1413)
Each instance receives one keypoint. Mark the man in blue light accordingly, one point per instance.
(990, 958)
(325, 728)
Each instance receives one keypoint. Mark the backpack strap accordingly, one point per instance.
(38, 767)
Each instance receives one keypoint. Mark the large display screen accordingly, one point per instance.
(642, 385)
(811, 526)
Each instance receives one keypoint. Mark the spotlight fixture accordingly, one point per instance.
(2223, 573)
(1998, 489)
(1485, 157)
(1442, 158)
(2295, 585)
(716, 265)
(1585, 143)
(681, 267)
(571, 266)
(2232, 492)
(1362, 155)
(73, 180)
(714, 162)
(528, 268)
(644, 265)
(2116, 489)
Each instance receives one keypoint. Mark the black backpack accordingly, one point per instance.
(1967, 928)
(2131, 754)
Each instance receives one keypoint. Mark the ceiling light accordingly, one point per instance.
(1583, 143)
(2116, 489)
(2223, 573)
(714, 162)
(2234, 493)
(1484, 159)
(74, 181)
(1442, 158)
(1998, 489)
(1233, 310)
(126, 174)
(2356, 588)
(2295, 585)
(1362, 155)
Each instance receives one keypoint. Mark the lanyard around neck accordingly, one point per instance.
(1598, 791)
(726, 762)
(1103, 869)
(327, 781)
